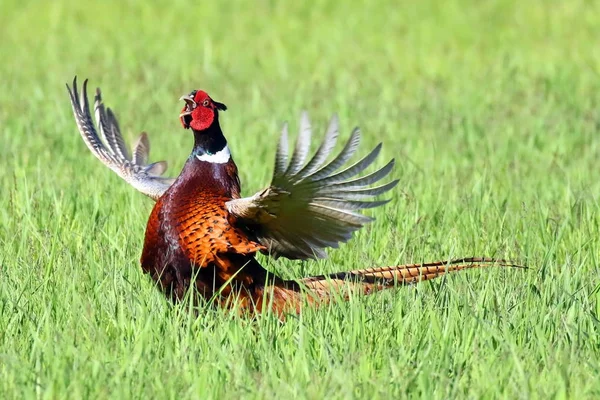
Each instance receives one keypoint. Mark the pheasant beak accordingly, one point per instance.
(185, 115)
(190, 103)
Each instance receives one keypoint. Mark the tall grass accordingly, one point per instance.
(490, 108)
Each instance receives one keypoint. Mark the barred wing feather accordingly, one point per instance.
(309, 206)
(109, 146)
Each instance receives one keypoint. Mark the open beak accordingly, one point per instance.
(190, 105)
(186, 114)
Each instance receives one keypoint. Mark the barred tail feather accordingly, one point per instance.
(370, 280)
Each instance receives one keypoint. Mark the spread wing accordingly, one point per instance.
(113, 153)
(310, 206)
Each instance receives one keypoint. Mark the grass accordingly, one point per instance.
(490, 108)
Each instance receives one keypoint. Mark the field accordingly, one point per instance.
(491, 109)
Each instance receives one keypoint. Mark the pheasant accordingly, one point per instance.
(202, 235)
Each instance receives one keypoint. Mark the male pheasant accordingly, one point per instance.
(201, 234)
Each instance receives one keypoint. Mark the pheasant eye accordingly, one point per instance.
(205, 103)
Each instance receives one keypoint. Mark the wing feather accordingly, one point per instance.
(141, 150)
(353, 170)
(310, 207)
(357, 194)
(302, 146)
(346, 153)
(324, 150)
(281, 157)
(112, 151)
(114, 137)
(367, 179)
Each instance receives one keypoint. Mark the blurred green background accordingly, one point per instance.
(491, 109)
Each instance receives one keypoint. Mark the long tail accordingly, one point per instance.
(373, 279)
(284, 297)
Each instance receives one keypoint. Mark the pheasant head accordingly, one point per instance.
(200, 111)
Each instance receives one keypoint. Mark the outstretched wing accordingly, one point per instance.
(113, 153)
(310, 207)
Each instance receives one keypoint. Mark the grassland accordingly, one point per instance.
(491, 108)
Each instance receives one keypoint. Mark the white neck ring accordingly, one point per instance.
(220, 157)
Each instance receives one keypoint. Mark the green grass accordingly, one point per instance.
(491, 108)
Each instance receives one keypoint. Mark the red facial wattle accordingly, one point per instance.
(202, 117)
